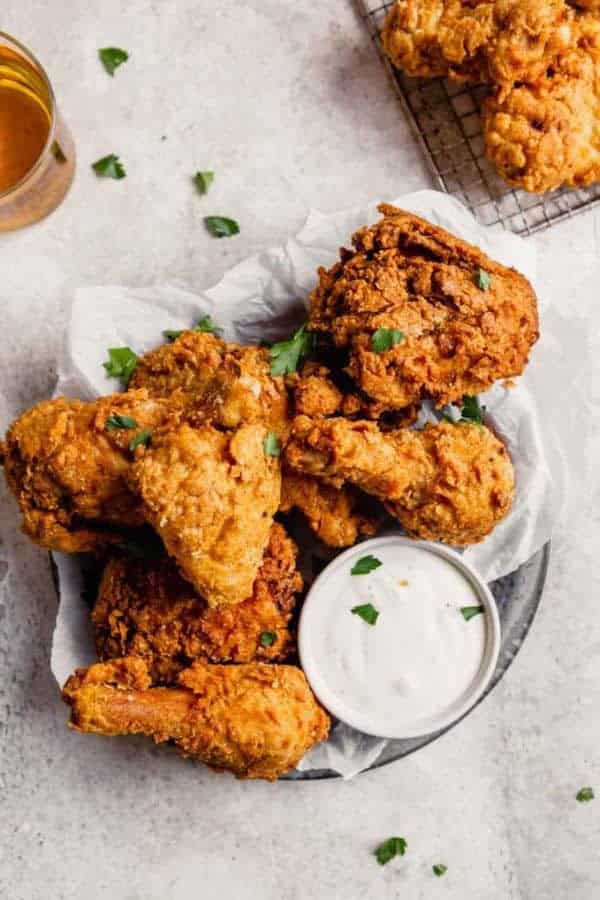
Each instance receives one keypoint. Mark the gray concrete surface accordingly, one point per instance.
(289, 104)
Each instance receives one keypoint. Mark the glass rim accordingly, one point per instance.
(31, 57)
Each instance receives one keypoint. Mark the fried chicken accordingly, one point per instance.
(546, 133)
(339, 516)
(145, 608)
(481, 40)
(255, 720)
(314, 392)
(460, 320)
(211, 496)
(450, 483)
(66, 464)
(227, 384)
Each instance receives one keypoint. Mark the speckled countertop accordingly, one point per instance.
(290, 105)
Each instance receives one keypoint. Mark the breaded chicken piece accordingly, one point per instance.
(464, 321)
(227, 384)
(211, 496)
(339, 516)
(546, 133)
(145, 608)
(314, 392)
(450, 483)
(66, 466)
(254, 720)
(480, 40)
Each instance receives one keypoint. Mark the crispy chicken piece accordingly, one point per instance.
(497, 40)
(450, 483)
(315, 394)
(255, 720)
(339, 516)
(227, 384)
(546, 133)
(145, 608)
(464, 319)
(66, 467)
(211, 496)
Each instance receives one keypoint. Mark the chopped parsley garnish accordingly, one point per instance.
(204, 325)
(118, 421)
(271, 445)
(58, 153)
(472, 410)
(483, 279)
(385, 338)
(585, 794)
(468, 612)
(394, 846)
(367, 612)
(285, 356)
(365, 565)
(112, 57)
(220, 226)
(140, 440)
(109, 167)
(268, 638)
(439, 869)
(121, 363)
(203, 181)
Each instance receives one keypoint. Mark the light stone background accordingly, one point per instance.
(290, 106)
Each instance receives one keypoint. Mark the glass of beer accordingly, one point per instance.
(37, 155)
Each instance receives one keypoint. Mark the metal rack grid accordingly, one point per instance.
(444, 116)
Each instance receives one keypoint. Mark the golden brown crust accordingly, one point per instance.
(254, 720)
(145, 608)
(412, 276)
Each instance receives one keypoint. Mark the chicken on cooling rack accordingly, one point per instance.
(145, 608)
(420, 312)
(254, 720)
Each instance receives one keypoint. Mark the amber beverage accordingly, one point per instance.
(37, 156)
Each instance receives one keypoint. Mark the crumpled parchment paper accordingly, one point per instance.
(262, 299)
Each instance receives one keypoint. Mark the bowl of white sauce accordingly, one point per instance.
(399, 638)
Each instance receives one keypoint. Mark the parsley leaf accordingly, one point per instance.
(367, 612)
(140, 440)
(585, 794)
(271, 445)
(285, 356)
(385, 338)
(58, 153)
(439, 869)
(267, 638)
(204, 325)
(472, 410)
(468, 612)
(121, 363)
(483, 279)
(118, 421)
(109, 167)
(112, 57)
(365, 565)
(220, 226)
(203, 181)
(394, 846)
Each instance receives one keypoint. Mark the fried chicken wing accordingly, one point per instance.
(545, 133)
(255, 720)
(480, 40)
(463, 319)
(211, 496)
(450, 483)
(66, 466)
(227, 384)
(145, 608)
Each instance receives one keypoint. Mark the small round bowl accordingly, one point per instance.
(341, 709)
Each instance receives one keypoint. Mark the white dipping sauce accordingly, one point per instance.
(418, 664)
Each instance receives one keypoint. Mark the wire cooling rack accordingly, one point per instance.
(445, 118)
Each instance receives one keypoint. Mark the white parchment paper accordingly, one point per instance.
(263, 298)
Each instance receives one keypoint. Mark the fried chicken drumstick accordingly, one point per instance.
(255, 720)
(459, 320)
(450, 483)
(145, 608)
